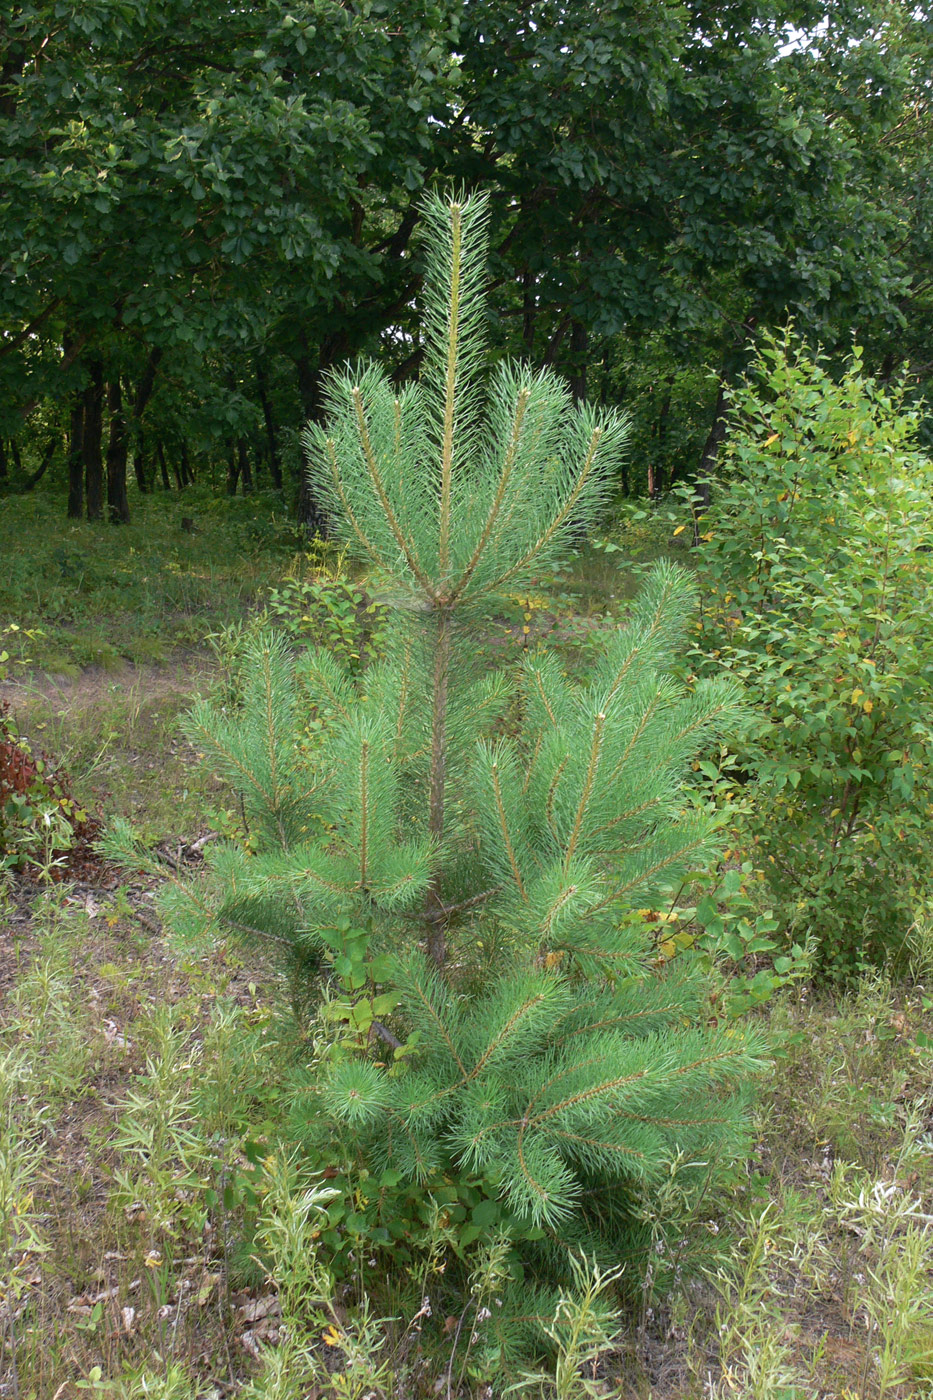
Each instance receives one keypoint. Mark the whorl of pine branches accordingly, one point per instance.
(464, 484)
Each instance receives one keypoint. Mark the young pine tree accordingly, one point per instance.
(490, 831)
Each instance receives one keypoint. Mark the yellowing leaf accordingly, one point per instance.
(868, 706)
(857, 695)
(772, 438)
(331, 1336)
(680, 529)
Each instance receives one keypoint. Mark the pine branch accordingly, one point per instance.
(369, 457)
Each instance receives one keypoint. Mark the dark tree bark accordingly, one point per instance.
(160, 453)
(139, 462)
(93, 431)
(408, 369)
(244, 467)
(42, 468)
(307, 386)
(118, 505)
(529, 311)
(554, 344)
(134, 429)
(710, 453)
(187, 475)
(888, 366)
(233, 468)
(145, 386)
(308, 380)
(579, 344)
(275, 469)
(659, 433)
(76, 458)
(3, 466)
(717, 433)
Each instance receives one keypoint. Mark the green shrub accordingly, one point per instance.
(43, 829)
(816, 574)
(322, 606)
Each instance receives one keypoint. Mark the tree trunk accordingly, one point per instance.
(118, 505)
(529, 311)
(710, 453)
(308, 380)
(434, 906)
(93, 430)
(145, 386)
(659, 433)
(3, 466)
(233, 470)
(160, 452)
(76, 458)
(139, 463)
(275, 469)
(140, 400)
(187, 475)
(717, 433)
(243, 465)
(579, 343)
(42, 468)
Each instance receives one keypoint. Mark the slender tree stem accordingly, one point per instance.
(450, 387)
(435, 913)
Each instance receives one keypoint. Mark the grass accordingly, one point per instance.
(156, 1241)
(131, 1079)
(101, 596)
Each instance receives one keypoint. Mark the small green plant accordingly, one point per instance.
(756, 1362)
(172, 1383)
(889, 1279)
(43, 829)
(51, 1022)
(329, 610)
(818, 590)
(22, 1152)
(289, 1245)
(583, 1331)
(159, 1133)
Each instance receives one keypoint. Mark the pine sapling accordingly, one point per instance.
(453, 854)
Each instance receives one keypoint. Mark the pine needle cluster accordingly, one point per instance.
(492, 830)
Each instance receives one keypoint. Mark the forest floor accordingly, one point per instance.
(134, 1074)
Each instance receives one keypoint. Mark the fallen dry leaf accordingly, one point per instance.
(259, 1308)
